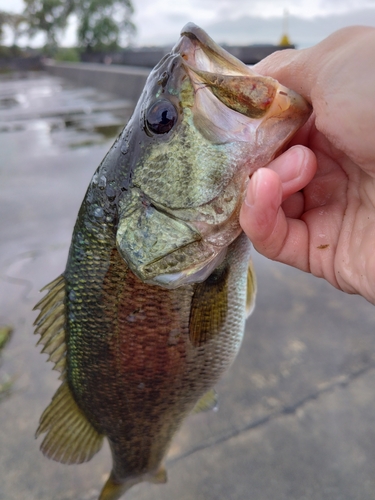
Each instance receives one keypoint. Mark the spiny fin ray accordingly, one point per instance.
(50, 324)
(56, 283)
(53, 295)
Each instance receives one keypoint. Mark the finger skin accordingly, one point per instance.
(262, 217)
(316, 212)
(337, 76)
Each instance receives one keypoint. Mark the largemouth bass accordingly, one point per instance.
(151, 307)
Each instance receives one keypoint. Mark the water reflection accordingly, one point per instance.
(66, 116)
(52, 137)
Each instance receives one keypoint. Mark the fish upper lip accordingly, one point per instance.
(205, 61)
(198, 49)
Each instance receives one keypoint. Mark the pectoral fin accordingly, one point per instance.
(207, 402)
(251, 289)
(209, 306)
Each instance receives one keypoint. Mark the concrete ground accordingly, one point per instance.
(296, 418)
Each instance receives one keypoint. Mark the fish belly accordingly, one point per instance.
(140, 356)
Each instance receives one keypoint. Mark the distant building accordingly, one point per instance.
(285, 40)
(148, 57)
(251, 54)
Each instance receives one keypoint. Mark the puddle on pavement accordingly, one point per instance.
(73, 117)
(53, 135)
(8, 102)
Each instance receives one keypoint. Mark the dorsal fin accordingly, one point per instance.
(209, 306)
(50, 323)
(251, 289)
(70, 439)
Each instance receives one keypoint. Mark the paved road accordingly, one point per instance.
(296, 417)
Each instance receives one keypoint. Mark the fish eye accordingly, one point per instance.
(161, 117)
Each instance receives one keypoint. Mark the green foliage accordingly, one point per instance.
(8, 52)
(68, 54)
(49, 16)
(16, 23)
(103, 24)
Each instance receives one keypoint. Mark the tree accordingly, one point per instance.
(104, 24)
(15, 22)
(3, 17)
(49, 16)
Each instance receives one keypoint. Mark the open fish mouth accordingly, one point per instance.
(201, 52)
(219, 77)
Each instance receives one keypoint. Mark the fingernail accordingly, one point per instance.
(298, 153)
(296, 157)
(252, 190)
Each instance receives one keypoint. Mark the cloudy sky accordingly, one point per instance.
(250, 21)
(238, 21)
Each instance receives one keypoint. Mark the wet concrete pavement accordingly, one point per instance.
(296, 416)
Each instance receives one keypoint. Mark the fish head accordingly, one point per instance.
(204, 123)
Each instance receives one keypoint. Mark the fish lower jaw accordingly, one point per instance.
(190, 276)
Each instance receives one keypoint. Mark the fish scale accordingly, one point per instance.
(151, 308)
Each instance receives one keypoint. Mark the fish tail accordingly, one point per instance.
(114, 489)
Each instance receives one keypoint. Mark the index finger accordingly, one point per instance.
(336, 76)
(302, 69)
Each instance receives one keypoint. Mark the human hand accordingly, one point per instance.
(313, 207)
